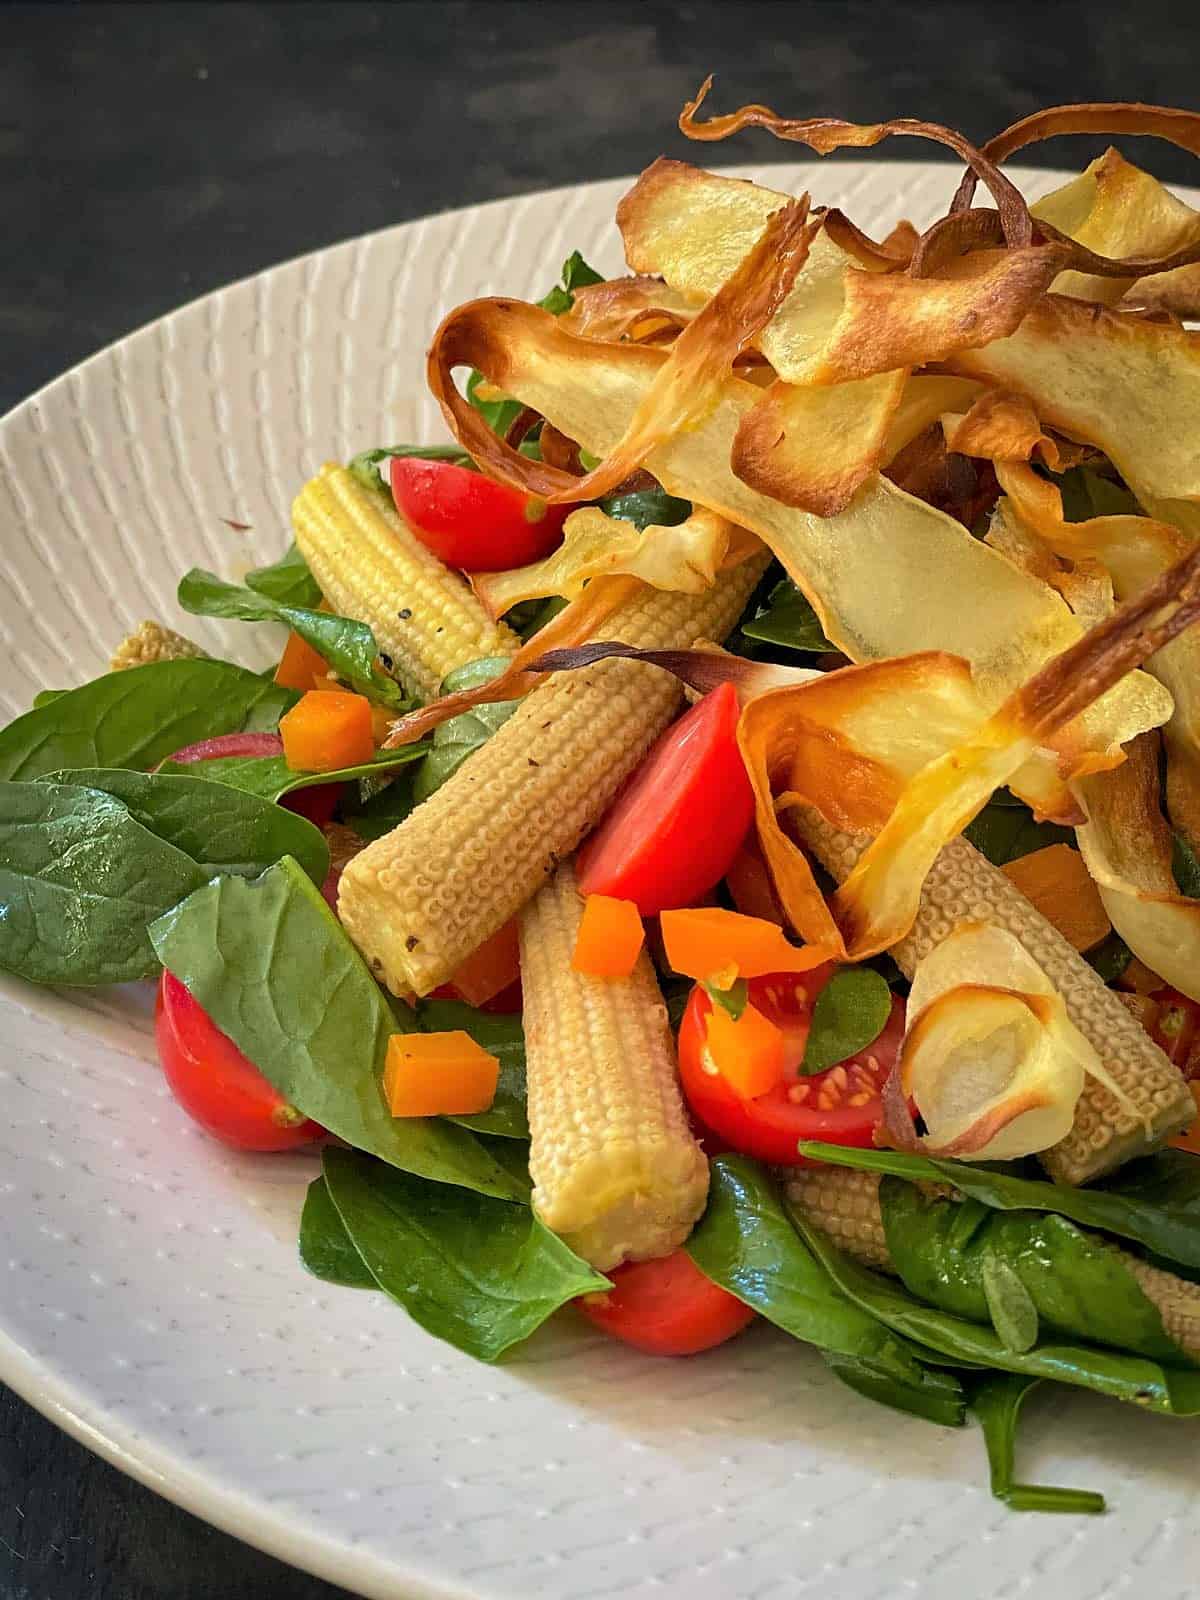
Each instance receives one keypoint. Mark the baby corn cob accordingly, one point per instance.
(963, 887)
(615, 1168)
(418, 901)
(370, 567)
(845, 1205)
(150, 642)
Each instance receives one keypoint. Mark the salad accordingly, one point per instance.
(722, 838)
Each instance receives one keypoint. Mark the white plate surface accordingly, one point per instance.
(151, 1300)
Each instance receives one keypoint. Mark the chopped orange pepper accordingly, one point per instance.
(1190, 1138)
(708, 939)
(494, 967)
(325, 731)
(750, 884)
(610, 937)
(438, 1074)
(747, 1053)
(300, 665)
(1055, 880)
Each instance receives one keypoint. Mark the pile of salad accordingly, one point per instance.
(721, 841)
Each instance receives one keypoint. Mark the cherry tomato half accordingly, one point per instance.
(1176, 1029)
(471, 522)
(677, 825)
(215, 1083)
(666, 1307)
(840, 1106)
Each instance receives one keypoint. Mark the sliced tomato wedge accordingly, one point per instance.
(216, 1084)
(666, 1307)
(471, 522)
(677, 825)
(840, 1106)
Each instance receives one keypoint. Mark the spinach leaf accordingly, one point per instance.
(270, 777)
(503, 1037)
(788, 619)
(1152, 1202)
(461, 736)
(348, 646)
(139, 717)
(1185, 865)
(1110, 957)
(849, 1014)
(80, 879)
(367, 464)
(734, 1000)
(1171, 1391)
(1086, 494)
(272, 966)
(325, 1246)
(996, 1400)
(471, 1270)
(47, 697)
(1005, 830)
(380, 808)
(287, 580)
(1016, 1269)
(745, 1244)
(644, 507)
(221, 829)
(528, 617)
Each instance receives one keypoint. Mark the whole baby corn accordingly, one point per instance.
(845, 1205)
(418, 901)
(150, 642)
(963, 887)
(370, 566)
(614, 1165)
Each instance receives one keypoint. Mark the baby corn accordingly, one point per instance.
(845, 1205)
(963, 887)
(370, 566)
(418, 901)
(615, 1168)
(150, 642)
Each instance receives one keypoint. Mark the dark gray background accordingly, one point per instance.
(150, 153)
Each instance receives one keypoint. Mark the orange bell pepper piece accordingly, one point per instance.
(704, 940)
(300, 665)
(610, 937)
(325, 730)
(438, 1074)
(747, 1053)
(491, 969)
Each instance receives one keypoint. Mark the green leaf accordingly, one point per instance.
(503, 1037)
(326, 1248)
(646, 507)
(139, 717)
(461, 736)
(849, 1014)
(745, 1244)
(734, 999)
(1155, 1202)
(272, 966)
(287, 580)
(270, 777)
(1185, 865)
(1010, 1305)
(366, 464)
(788, 619)
(576, 274)
(348, 646)
(221, 829)
(1086, 494)
(996, 1400)
(380, 809)
(528, 617)
(478, 1273)
(1110, 957)
(80, 879)
(47, 697)
(1005, 830)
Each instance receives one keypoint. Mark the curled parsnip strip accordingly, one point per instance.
(1127, 847)
(990, 1057)
(684, 558)
(1005, 427)
(633, 308)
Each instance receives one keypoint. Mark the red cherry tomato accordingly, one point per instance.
(317, 802)
(215, 1083)
(1176, 1029)
(676, 827)
(840, 1106)
(471, 522)
(666, 1307)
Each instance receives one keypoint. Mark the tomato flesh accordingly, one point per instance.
(1176, 1029)
(216, 1084)
(666, 1307)
(471, 522)
(676, 827)
(839, 1106)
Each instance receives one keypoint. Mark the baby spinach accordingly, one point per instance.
(79, 881)
(647, 507)
(1086, 494)
(139, 717)
(348, 646)
(745, 1244)
(787, 618)
(996, 1400)
(1109, 958)
(287, 580)
(474, 1271)
(1185, 865)
(221, 829)
(380, 807)
(849, 1014)
(367, 464)
(734, 1000)
(461, 736)
(1006, 829)
(1156, 1205)
(272, 966)
(325, 1247)
(270, 777)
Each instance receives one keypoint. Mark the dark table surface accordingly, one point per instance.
(150, 153)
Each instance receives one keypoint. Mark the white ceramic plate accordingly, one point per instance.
(152, 1300)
